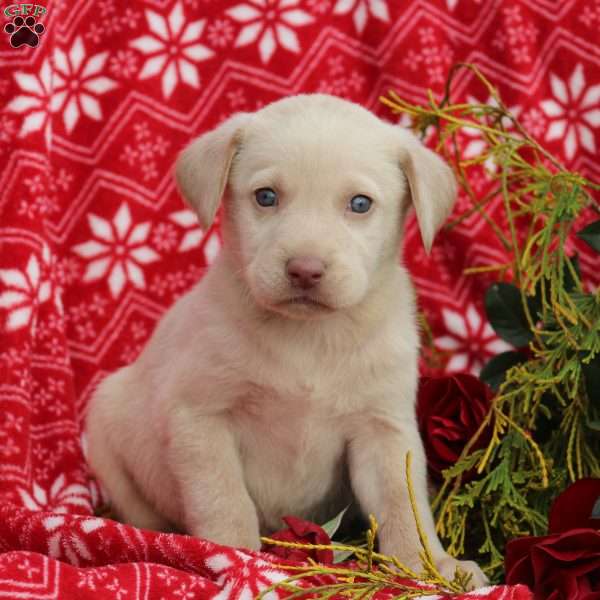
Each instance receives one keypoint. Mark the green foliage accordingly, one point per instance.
(545, 417)
(591, 235)
(505, 312)
(331, 528)
(494, 372)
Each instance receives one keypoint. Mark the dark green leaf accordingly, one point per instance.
(591, 375)
(591, 235)
(341, 555)
(548, 421)
(494, 372)
(594, 425)
(505, 312)
(334, 524)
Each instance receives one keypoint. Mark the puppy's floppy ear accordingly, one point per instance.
(202, 169)
(432, 184)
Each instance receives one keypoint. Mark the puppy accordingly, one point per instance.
(285, 381)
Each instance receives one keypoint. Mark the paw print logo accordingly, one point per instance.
(24, 31)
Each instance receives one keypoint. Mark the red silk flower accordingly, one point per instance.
(450, 410)
(564, 565)
(302, 532)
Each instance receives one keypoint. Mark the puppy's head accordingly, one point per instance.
(316, 192)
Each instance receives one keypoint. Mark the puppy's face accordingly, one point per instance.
(315, 206)
(317, 191)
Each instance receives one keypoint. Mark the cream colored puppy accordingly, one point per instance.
(285, 381)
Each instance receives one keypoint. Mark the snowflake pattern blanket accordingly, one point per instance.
(96, 99)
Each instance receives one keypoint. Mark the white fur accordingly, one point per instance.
(244, 407)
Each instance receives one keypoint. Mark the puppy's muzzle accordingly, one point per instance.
(305, 272)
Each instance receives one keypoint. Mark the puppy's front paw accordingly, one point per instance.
(447, 567)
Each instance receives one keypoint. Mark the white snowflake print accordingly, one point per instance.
(77, 81)
(341, 81)
(220, 33)
(517, 35)
(534, 122)
(361, 9)
(319, 7)
(237, 98)
(470, 340)
(270, 23)
(572, 111)
(8, 130)
(434, 56)
(167, 576)
(113, 21)
(43, 188)
(164, 237)
(211, 247)
(35, 101)
(119, 250)
(70, 545)
(91, 578)
(60, 497)
(118, 591)
(12, 422)
(9, 448)
(144, 153)
(590, 15)
(124, 64)
(27, 568)
(259, 575)
(193, 233)
(171, 49)
(25, 290)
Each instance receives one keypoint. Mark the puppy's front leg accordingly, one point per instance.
(377, 458)
(215, 501)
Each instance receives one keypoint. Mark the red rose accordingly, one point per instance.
(303, 532)
(564, 566)
(450, 410)
(573, 508)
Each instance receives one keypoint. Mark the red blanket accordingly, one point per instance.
(97, 98)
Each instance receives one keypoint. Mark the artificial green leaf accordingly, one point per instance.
(591, 235)
(548, 421)
(494, 372)
(591, 375)
(341, 555)
(334, 524)
(505, 313)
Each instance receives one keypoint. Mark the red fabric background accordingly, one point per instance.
(95, 242)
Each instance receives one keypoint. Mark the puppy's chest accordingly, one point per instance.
(292, 452)
(293, 421)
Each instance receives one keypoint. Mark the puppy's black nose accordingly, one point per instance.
(305, 272)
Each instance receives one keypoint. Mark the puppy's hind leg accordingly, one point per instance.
(111, 434)
(126, 501)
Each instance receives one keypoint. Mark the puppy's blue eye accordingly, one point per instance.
(266, 197)
(360, 204)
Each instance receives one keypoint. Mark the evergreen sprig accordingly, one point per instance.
(545, 416)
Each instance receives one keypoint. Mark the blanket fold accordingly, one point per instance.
(95, 242)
